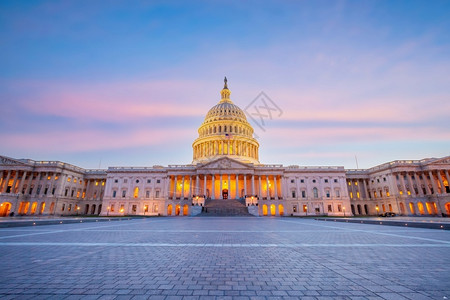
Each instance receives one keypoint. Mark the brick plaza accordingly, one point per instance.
(223, 258)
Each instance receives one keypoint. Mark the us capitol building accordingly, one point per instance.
(224, 178)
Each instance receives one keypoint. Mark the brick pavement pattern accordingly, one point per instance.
(224, 258)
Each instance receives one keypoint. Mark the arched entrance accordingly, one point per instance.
(420, 207)
(447, 208)
(366, 209)
(41, 208)
(411, 208)
(52, 208)
(33, 208)
(353, 209)
(225, 193)
(280, 209)
(177, 210)
(93, 209)
(169, 209)
(185, 210)
(359, 209)
(402, 208)
(99, 209)
(86, 209)
(265, 209)
(5, 208)
(272, 210)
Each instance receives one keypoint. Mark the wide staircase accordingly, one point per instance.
(225, 207)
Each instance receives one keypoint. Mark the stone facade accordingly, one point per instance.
(225, 166)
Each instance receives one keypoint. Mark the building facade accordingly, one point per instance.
(225, 166)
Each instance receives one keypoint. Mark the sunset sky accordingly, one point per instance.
(127, 83)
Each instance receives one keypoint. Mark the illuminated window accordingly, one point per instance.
(409, 192)
(387, 193)
(56, 178)
(305, 208)
(356, 182)
(75, 180)
(69, 179)
(103, 183)
(112, 207)
(48, 178)
(78, 194)
(401, 192)
(351, 195)
(357, 194)
(96, 183)
(349, 183)
(375, 194)
(84, 195)
(145, 208)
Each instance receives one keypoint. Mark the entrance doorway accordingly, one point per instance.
(225, 194)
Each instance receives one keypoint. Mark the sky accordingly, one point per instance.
(128, 83)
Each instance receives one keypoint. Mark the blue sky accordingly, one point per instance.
(126, 83)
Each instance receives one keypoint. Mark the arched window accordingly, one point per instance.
(215, 129)
(220, 129)
(273, 210)
(280, 209)
(265, 210)
(136, 192)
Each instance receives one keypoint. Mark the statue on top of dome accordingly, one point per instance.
(225, 86)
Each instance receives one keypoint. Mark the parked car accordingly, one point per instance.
(387, 214)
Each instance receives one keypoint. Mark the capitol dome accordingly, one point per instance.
(225, 132)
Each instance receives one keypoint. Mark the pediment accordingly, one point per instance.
(439, 161)
(8, 161)
(224, 164)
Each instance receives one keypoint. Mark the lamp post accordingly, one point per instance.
(377, 208)
(78, 209)
(343, 208)
(107, 211)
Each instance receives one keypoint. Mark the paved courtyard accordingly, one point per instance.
(223, 258)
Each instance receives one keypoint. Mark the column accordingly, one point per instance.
(182, 188)
(5, 186)
(366, 190)
(174, 187)
(267, 187)
(197, 185)
(13, 188)
(297, 193)
(276, 186)
(441, 182)
(253, 185)
(433, 182)
(190, 187)
(22, 181)
(245, 185)
(447, 176)
(411, 186)
(204, 185)
(260, 190)
(229, 186)
(221, 187)
(419, 184)
(213, 181)
(402, 182)
(425, 180)
(30, 180)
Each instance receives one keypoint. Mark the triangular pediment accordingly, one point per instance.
(439, 161)
(8, 161)
(224, 163)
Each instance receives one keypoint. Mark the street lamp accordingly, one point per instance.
(78, 209)
(344, 210)
(377, 208)
(107, 211)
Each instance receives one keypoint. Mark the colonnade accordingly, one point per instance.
(226, 147)
(422, 183)
(220, 186)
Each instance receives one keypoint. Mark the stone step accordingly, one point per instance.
(225, 207)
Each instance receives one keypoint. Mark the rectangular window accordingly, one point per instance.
(293, 194)
(330, 208)
(112, 207)
(73, 192)
(292, 180)
(145, 208)
(339, 208)
(66, 193)
(302, 180)
(294, 208)
(121, 208)
(147, 194)
(157, 194)
(303, 194)
(114, 194)
(63, 207)
(149, 180)
(124, 193)
(338, 193)
(326, 180)
(335, 181)
(125, 181)
(328, 194)
(45, 190)
(53, 191)
(116, 181)
(70, 207)
(78, 194)
(158, 181)
(38, 190)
